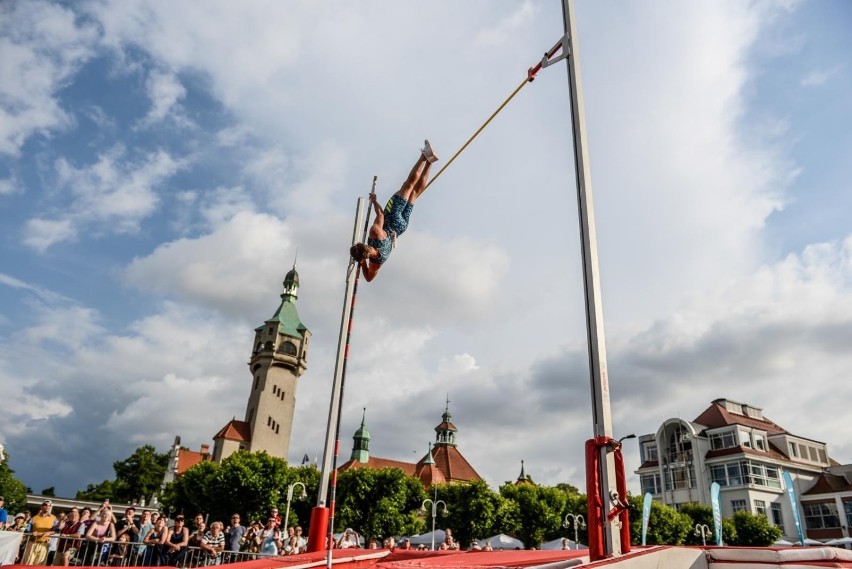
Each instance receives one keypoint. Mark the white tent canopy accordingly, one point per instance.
(502, 541)
(426, 538)
(782, 543)
(840, 541)
(557, 544)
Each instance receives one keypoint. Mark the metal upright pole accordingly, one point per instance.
(602, 418)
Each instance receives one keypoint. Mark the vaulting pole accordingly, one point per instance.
(599, 381)
(322, 516)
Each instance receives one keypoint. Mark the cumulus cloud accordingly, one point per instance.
(165, 92)
(113, 195)
(43, 44)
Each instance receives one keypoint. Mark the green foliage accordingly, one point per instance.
(533, 512)
(98, 492)
(378, 503)
(50, 491)
(139, 475)
(699, 514)
(248, 483)
(666, 526)
(474, 510)
(13, 490)
(753, 530)
(569, 489)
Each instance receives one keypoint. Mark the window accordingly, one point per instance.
(812, 452)
(746, 472)
(745, 439)
(738, 505)
(760, 508)
(821, 516)
(287, 348)
(848, 507)
(722, 440)
(777, 519)
(651, 452)
(794, 450)
(680, 477)
(650, 483)
(822, 457)
(735, 474)
(759, 442)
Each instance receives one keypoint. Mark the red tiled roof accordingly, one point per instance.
(450, 461)
(375, 462)
(771, 453)
(649, 464)
(189, 458)
(430, 474)
(446, 426)
(828, 484)
(718, 416)
(235, 431)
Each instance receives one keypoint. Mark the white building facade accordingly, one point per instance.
(735, 445)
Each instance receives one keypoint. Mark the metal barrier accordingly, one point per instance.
(75, 550)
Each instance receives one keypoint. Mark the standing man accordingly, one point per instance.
(42, 526)
(234, 535)
(129, 526)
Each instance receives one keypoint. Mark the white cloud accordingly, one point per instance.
(111, 196)
(165, 92)
(508, 26)
(818, 77)
(43, 45)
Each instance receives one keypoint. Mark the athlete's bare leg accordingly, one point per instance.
(408, 187)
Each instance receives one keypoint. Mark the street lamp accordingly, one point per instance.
(578, 521)
(625, 437)
(704, 531)
(444, 512)
(302, 496)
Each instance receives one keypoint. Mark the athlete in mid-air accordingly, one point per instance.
(393, 221)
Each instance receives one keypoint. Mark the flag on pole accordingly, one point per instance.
(794, 504)
(716, 504)
(646, 515)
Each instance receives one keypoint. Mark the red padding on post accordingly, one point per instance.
(317, 533)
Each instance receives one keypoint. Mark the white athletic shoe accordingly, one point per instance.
(428, 153)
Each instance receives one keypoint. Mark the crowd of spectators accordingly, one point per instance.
(100, 538)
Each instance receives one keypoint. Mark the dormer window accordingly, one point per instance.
(759, 441)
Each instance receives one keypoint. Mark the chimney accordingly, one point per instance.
(205, 449)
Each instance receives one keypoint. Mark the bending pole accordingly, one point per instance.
(599, 496)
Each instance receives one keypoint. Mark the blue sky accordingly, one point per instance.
(161, 164)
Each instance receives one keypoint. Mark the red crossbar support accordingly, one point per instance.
(531, 72)
(595, 507)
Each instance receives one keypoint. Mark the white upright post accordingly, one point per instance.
(601, 416)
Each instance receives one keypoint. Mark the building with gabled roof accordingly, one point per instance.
(442, 463)
(735, 445)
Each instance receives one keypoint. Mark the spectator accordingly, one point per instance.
(145, 525)
(20, 523)
(565, 543)
(474, 546)
(301, 542)
(274, 514)
(42, 526)
(99, 535)
(373, 544)
(488, 546)
(196, 537)
(270, 538)
(405, 543)
(252, 539)
(213, 544)
(177, 542)
(154, 542)
(4, 515)
(129, 526)
(349, 539)
(54, 539)
(290, 542)
(120, 551)
(69, 542)
(388, 543)
(235, 534)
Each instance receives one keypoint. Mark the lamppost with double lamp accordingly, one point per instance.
(578, 521)
(302, 496)
(704, 531)
(444, 512)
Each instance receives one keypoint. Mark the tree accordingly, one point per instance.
(699, 514)
(49, 491)
(666, 526)
(248, 483)
(378, 503)
(13, 490)
(474, 510)
(534, 512)
(577, 504)
(139, 475)
(754, 530)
